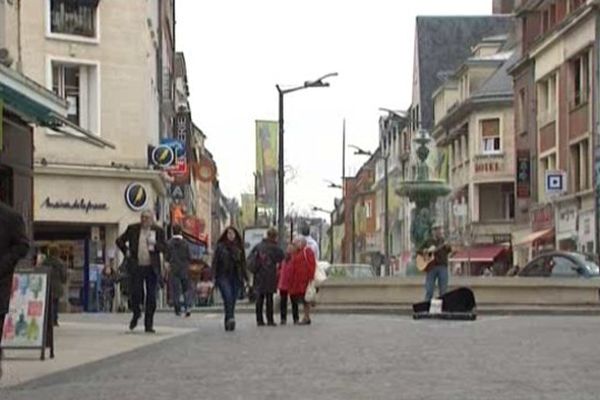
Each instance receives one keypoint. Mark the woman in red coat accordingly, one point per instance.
(303, 272)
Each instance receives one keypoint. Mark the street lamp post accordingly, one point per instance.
(386, 222)
(281, 182)
(331, 227)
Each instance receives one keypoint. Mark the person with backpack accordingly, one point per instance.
(179, 258)
(263, 262)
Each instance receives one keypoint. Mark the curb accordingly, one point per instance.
(406, 310)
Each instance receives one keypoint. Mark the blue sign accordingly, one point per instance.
(177, 146)
(556, 182)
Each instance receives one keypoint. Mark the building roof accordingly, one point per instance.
(444, 42)
(500, 83)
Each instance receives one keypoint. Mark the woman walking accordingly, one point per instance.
(229, 270)
(284, 281)
(303, 272)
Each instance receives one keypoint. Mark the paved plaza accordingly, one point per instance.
(338, 357)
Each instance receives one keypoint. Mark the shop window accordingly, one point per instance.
(77, 18)
(580, 69)
(78, 85)
(490, 136)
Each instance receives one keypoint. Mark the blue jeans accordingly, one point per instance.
(439, 273)
(229, 286)
(180, 286)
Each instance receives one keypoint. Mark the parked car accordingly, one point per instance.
(562, 264)
(354, 271)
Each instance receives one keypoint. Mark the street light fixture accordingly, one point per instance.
(281, 183)
(333, 185)
(319, 209)
(386, 228)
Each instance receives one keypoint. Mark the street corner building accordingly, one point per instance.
(92, 176)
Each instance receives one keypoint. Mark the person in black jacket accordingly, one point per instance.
(179, 259)
(14, 246)
(229, 271)
(263, 262)
(142, 244)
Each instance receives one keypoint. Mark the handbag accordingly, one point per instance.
(311, 292)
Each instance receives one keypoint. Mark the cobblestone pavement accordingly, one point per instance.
(345, 357)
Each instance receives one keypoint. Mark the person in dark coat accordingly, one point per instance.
(14, 246)
(179, 259)
(229, 270)
(58, 278)
(142, 244)
(263, 262)
(108, 280)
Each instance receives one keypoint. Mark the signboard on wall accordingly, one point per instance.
(523, 174)
(26, 323)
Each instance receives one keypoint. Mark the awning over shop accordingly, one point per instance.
(39, 106)
(534, 236)
(478, 254)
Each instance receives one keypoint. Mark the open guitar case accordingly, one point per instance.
(458, 304)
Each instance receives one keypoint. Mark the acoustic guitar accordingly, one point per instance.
(425, 257)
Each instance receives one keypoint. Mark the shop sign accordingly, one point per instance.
(542, 218)
(81, 204)
(523, 174)
(136, 196)
(567, 219)
(163, 156)
(487, 167)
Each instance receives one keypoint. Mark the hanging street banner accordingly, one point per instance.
(267, 151)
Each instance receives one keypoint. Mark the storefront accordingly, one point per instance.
(539, 238)
(82, 210)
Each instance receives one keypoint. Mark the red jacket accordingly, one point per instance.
(303, 271)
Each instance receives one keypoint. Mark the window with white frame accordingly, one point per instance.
(77, 18)
(78, 85)
(580, 70)
(580, 166)
(368, 210)
(490, 136)
(547, 100)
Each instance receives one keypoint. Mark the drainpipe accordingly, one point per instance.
(19, 44)
(159, 61)
(596, 123)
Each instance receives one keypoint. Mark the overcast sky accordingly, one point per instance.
(237, 50)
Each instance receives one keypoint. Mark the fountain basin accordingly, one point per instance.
(421, 190)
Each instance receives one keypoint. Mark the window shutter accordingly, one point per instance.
(490, 128)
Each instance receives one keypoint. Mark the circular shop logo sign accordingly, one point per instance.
(136, 196)
(163, 156)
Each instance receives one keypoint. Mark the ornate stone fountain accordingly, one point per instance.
(424, 192)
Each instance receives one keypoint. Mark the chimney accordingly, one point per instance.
(503, 6)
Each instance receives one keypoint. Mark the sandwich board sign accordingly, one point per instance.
(27, 324)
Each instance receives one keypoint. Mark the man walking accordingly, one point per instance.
(142, 244)
(438, 268)
(179, 259)
(310, 242)
(58, 277)
(263, 262)
(14, 245)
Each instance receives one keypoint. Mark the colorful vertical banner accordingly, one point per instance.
(267, 151)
